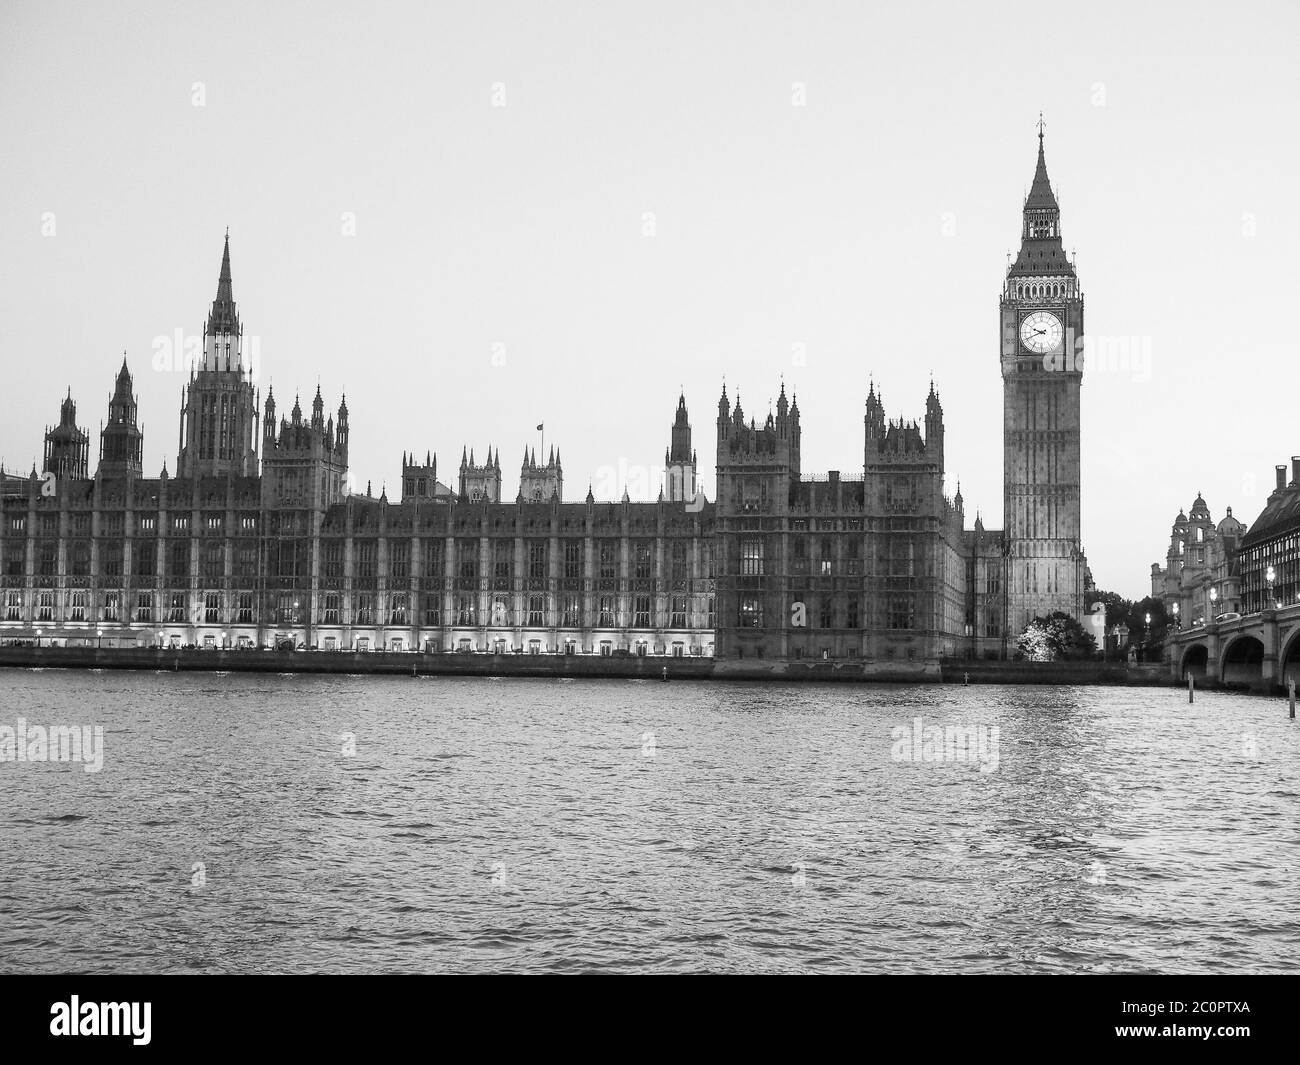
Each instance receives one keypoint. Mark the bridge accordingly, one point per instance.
(1256, 651)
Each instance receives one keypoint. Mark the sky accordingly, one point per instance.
(478, 217)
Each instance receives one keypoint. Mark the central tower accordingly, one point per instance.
(219, 410)
(1042, 372)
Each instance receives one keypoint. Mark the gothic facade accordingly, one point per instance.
(262, 540)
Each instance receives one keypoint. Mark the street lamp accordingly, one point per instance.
(1177, 623)
(38, 637)
(1269, 575)
(1214, 599)
(99, 639)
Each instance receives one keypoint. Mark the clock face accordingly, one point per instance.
(1041, 332)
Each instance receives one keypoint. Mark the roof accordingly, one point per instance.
(1281, 516)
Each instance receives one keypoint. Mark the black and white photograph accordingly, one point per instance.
(694, 488)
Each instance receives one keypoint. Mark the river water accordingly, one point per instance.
(244, 823)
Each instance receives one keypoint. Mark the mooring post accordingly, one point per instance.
(1191, 687)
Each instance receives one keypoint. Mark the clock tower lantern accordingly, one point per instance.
(1042, 371)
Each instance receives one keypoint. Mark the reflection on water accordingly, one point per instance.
(249, 823)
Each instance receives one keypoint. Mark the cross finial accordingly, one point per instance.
(1041, 125)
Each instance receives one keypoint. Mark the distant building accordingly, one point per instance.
(1201, 577)
(1270, 551)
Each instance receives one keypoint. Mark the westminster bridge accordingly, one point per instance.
(1260, 651)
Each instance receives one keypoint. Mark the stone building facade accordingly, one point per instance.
(262, 539)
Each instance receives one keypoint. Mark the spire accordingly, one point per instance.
(1041, 251)
(222, 318)
(1040, 192)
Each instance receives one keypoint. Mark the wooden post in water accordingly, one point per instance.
(1290, 696)
(1191, 686)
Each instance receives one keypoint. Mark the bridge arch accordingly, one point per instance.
(1196, 661)
(1242, 661)
(1288, 662)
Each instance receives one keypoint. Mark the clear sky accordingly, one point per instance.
(475, 217)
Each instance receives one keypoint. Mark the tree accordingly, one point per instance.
(1055, 637)
(1117, 607)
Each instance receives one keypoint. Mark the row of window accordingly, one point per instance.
(899, 612)
(289, 609)
(114, 524)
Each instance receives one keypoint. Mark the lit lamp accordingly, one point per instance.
(99, 639)
(38, 637)
(1177, 624)
(1214, 599)
(1269, 575)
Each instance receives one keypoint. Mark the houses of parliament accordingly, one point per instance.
(258, 540)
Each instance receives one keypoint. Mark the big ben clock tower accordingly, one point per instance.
(1042, 371)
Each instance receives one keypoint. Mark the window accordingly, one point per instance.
(503, 564)
(45, 607)
(573, 560)
(176, 609)
(536, 610)
(679, 564)
(712, 623)
(367, 555)
(467, 554)
(501, 610)
(212, 608)
(13, 605)
(826, 616)
(751, 558)
(245, 613)
(148, 523)
(332, 600)
(641, 612)
(400, 608)
(112, 605)
(608, 560)
(466, 609)
(399, 560)
(49, 564)
(750, 614)
(145, 562)
(826, 561)
(363, 608)
(332, 560)
(901, 612)
(178, 558)
(644, 560)
(537, 560)
(214, 562)
(180, 523)
(433, 608)
(80, 558)
(572, 610)
(144, 607)
(607, 611)
(288, 609)
(679, 612)
(112, 552)
(433, 559)
(851, 613)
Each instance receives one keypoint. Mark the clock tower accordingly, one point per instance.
(1042, 371)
